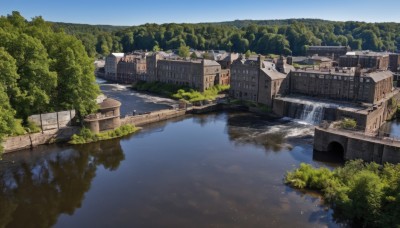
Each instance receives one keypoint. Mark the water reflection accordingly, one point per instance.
(212, 170)
(36, 190)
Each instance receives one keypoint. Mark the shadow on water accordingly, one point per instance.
(38, 186)
(334, 155)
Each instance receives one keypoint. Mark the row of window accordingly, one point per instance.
(334, 77)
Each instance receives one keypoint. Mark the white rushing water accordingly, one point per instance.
(312, 113)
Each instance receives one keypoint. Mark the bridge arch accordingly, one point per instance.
(336, 150)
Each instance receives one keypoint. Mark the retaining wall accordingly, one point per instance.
(359, 146)
(139, 120)
(31, 140)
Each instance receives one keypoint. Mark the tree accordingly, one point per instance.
(184, 51)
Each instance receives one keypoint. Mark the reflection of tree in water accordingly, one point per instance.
(203, 119)
(34, 194)
(247, 128)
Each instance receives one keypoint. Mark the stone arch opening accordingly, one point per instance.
(336, 151)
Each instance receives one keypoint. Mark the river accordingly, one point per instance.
(214, 170)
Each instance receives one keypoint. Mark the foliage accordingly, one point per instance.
(348, 123)
(183, 51)
(31, 127)
(42, 69)
(86, 136)
(363, 194)
(287, 37)
(180, 92)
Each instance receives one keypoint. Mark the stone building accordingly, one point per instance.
(224, 77)
(108, 117)
(131, 68)
(110, 66)
(255, 80)
(197, 74)
(346, 84)
(394, 62)
(225, 59)
(333, 52)
(283, 66)
(366, 59)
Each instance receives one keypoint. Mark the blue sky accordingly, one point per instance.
(125, 12)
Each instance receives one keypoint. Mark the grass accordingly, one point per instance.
(348, 123)
(180, 92)
(86, 136)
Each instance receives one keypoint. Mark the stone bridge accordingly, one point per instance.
(356, 145)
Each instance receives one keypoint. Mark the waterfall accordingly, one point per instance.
(312, 113)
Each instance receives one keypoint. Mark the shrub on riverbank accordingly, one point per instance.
(86, 136)
(348, 123)
(363, 194)
(180, 92)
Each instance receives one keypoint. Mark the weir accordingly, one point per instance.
(312, 113)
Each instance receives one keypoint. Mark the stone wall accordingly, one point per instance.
(54, 120)
(143, 119)
(31, 140)
(358, 146)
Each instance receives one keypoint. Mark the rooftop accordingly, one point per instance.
(109, 103)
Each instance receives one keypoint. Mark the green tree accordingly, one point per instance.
(184, 51)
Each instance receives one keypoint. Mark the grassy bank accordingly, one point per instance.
(86, 136)
(361, 194)
(180, 92)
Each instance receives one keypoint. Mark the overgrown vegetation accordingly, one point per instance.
(180, 92)
(348, 123)
(87, 136)
(41, 70)
(361, 194)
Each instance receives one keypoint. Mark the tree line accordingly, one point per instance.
(41, 70)
(287, 37)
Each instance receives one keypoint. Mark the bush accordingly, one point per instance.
(363, 194)
(32, 127)
(348, 123)
(87, 136)
(180, 92)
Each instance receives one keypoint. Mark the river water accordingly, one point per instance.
(214, 170)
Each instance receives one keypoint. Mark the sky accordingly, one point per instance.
(133, 12)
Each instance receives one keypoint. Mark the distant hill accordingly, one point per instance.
(286, 37)
(72, 28)
(244, 23)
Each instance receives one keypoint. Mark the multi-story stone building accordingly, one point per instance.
(255, 80)
(110, 66)
(198, 74)
(333, 52)
(224, 77)
(131, 68)
(283, 66)
(394, 62)
(366, 59)
(346, 84)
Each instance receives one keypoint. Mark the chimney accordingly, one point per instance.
(260, 60)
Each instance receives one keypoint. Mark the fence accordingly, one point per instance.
(54, 120)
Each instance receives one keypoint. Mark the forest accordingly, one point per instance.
(42, 69)
(287, 37)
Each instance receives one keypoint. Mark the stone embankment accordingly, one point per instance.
(64, 134)
(32, 140)
(152, 117)
(357, 145)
